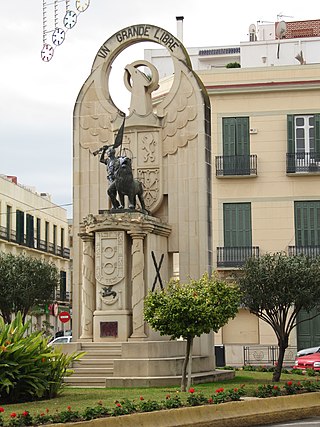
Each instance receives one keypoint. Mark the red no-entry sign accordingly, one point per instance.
(64, 316)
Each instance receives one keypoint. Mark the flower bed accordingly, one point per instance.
(172, 401)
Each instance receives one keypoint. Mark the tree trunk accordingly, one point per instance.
(190, 363)
(6, 317)
(278, 369)
(184, 367)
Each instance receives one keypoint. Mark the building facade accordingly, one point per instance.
(31, 224)
(265, 132)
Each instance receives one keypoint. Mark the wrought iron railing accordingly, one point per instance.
(259, 355)
(311, 251)
(236, 165)
(62, 296)
(40, 245)
(303, 162)
(235, 256)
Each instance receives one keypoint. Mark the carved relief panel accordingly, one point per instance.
(149, 167)
(110, 270)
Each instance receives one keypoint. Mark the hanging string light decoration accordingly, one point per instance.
(58, 17)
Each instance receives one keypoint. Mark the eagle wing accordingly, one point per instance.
(98, 120)
(179, 115)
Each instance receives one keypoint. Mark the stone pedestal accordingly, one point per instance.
(118, 272)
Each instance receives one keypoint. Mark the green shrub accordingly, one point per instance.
(172, 402)
(233, 65)
(269, 390)
(29, 368)
(196, 399)
(149, 405)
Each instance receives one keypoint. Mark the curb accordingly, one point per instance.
(234, 414)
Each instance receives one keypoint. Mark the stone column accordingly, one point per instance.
(138, 286)
(88, 287)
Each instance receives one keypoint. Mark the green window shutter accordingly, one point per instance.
(229, 136)
(237, 224)
(38, 232)
(236, 136)
(242, 144)
(290, 134)
(19, 227)
(63, 285)
(30, 231)
(317, 136)
(307, 223)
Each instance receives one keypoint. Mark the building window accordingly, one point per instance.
(9, 222)
(303, 143)
(236, 146)
(54, 238)
(19, 227)
(46, 234)
(307, 223)
(38, 233)
(237, 224)
(63, 285)
(237, 236)
(62, 239)
(29, 231)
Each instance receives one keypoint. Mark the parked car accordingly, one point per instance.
(306, 351)
(61, 340)
(310, 361)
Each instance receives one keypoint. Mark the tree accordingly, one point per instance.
(276, 287)
(24, 282)
(190, 310)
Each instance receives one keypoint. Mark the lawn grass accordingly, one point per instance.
(81, 398)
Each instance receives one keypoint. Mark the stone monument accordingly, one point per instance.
(122, 252)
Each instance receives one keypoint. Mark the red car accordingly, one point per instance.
(311, 361)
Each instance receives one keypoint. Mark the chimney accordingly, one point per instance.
(180, 28)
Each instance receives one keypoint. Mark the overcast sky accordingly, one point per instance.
(37, 98)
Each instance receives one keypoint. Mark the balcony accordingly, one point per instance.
(40, 245)
(303, 163)
(310, 251)
(236, 165)
(235, 256)
(62, 296)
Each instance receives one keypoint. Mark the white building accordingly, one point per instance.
(31, 224)
(269, 44)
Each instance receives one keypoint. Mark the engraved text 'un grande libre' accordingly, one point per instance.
(145, 31)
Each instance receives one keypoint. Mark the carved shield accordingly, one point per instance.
(145, 149)
(109, 257)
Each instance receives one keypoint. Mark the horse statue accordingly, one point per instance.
(125, 185)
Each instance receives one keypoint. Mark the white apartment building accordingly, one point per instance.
(31, 224)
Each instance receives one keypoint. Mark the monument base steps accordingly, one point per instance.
(130, 365)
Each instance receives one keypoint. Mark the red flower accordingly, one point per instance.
(210, 400)
(47, 410)
(141, 398)
(289, 383)
(43, 359)
(13, 415)
(220, 390)
(69, 408)
(1, 409)
(42, 414)
(191, 390)
(119, 405)
(235, 389)
(25, 413)
(168, 396)
(275, 387)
